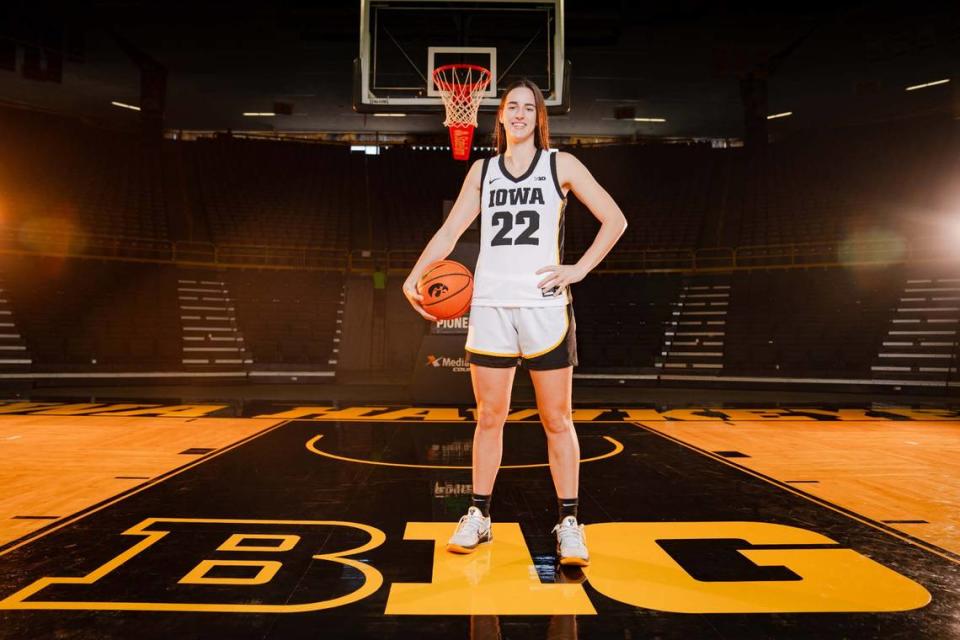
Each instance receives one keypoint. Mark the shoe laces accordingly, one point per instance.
(569, 532)
(473, 522)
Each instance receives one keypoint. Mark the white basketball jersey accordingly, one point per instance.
(521, 230)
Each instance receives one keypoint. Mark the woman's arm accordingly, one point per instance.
(464, 210)
(574, 175)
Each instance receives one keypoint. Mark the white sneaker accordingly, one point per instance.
(472, 529)
(571, 543)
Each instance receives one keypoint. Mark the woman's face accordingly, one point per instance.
(519, 116)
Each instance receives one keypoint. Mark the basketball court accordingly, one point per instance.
(161, 520)
(717, 505)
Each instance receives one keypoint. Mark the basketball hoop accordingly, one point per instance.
(461, 88)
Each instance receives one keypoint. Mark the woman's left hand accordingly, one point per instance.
(560, 275)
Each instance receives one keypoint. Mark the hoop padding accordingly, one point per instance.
(461, 88)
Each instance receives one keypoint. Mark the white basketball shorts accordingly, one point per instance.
(538, 338)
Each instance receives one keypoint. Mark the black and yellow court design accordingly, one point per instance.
(336, 528)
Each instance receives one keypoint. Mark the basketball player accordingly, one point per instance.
(521, 312)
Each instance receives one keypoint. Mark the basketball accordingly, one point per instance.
(447, 288)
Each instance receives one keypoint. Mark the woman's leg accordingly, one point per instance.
(554, 389)
(491, 387)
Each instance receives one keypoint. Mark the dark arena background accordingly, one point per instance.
(221, 418)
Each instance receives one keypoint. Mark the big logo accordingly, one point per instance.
(290, 566)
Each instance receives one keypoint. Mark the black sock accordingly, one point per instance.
(568, 507)
(481, 502)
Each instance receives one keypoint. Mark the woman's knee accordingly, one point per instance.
(557, 421)
(490, 416)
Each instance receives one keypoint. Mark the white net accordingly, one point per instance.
(461, 88)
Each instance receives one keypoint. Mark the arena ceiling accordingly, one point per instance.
(827, 63)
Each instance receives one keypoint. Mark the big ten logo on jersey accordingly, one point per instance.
(251, 566)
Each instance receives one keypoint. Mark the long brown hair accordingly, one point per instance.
(541, 135)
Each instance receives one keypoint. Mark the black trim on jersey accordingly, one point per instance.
(560, 232)
(530, 169)
(556, 178)
(483, 175)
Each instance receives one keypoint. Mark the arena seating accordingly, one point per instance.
(58, 175)
(665, 191)
(284, 193)
(413, 186)
(921, 340)
(818, 323)
(288, 317)
(848, 183)
(798, 323)
(652, 185)
(90, 315)
(825, 187)
(84, 314)
(621, 319)
(809, 187)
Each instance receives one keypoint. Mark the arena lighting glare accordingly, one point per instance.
(927, 84)
(389, 115)
(254, 114)
(649, 119)
(779, 115)
(124, 105)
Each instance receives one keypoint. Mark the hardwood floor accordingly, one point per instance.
(892, 472)
(54, 466)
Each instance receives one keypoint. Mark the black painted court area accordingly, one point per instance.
(275, 491)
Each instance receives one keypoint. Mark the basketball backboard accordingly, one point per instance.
(402, 41)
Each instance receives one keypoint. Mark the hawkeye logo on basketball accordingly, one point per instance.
(524, 195)
(437, 290)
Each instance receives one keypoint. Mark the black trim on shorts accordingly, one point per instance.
(561, 356)
(496, 362)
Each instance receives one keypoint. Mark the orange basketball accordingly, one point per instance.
(447, 288)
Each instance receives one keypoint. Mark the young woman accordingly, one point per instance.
(521, 312)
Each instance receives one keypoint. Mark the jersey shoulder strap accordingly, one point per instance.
(483, 170)
(554, 153)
